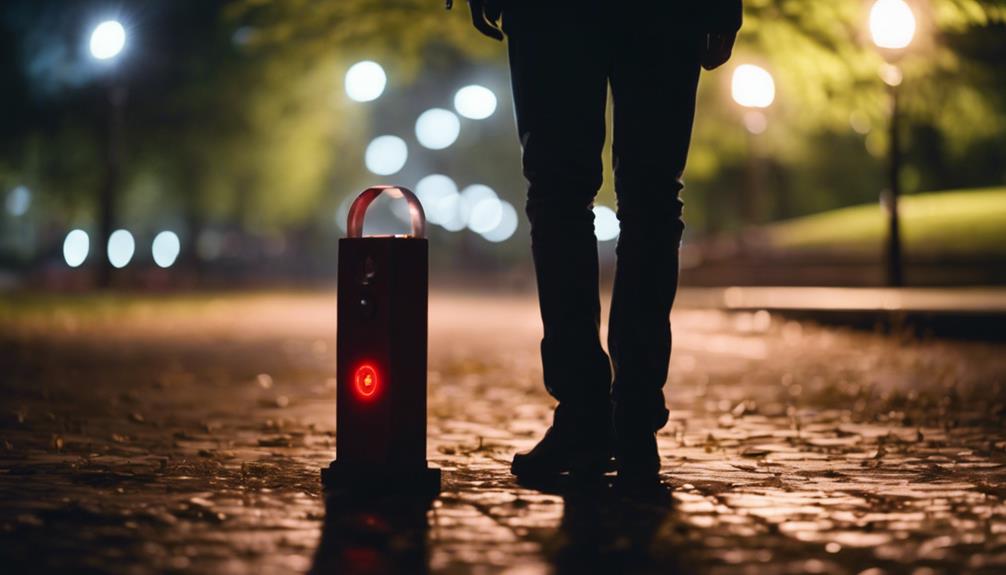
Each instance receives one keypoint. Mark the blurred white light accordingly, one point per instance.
(606, 226)
(476, 193)
(18, 201)
(755, 121)
(386, 155)
(75, 248)
(892, 24)
(431, 190)
(400, 209)
(437, 129)
(365, 81)
(475, 102)
(891, 75)
(450, 215)
(471, 197)
(860, 122)
(753, 86)
(485, 215)
(121, 248)
(506, 226)
(453, 210)
(166, 248)
(107, 40)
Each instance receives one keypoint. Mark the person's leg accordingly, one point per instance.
(559, 75)
(654, 79)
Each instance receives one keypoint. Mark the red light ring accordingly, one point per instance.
(366, 381)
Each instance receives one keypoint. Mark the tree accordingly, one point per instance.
(235, 106)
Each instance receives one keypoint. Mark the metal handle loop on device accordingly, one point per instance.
(358, 211)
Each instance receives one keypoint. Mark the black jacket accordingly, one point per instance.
(722, 15)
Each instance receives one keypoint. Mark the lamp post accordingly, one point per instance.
(753, 88)
(107, 41)
(892, 27)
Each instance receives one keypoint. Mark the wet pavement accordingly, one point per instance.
(186, 435)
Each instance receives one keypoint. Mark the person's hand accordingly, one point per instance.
(719, 47)
(485, 16)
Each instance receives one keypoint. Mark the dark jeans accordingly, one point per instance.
(564, 54)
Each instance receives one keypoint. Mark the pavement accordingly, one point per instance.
(961, 313)
(186, 435)
(852, 299)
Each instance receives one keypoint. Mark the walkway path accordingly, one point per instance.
(187, 435)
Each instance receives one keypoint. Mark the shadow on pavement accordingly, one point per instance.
(608, 527)
(363, 536)
(605, 528)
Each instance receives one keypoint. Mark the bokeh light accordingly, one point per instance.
(386, 155)
(475, 193)
(121, 248)
(475, 102)
(891, 75)
(892, 24)
(860, 122)
(399, 209)
(75, 248)
(430, 191)
(165, 248)
(365, 81)
(18, 201)
(472, 196)
(606, 226)
(507, 225)
(755, 121)
(450, 213)
(107, 40)
(243, 36)
(753, 86)
(485, 215)
(437, 128)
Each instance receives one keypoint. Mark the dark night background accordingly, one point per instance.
(168, 391)
(237, 136)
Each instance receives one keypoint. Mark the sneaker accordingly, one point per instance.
(565, 452)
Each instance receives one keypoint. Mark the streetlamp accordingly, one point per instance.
(108, 39)
(753, 88)
(365, 81)
(892, 27)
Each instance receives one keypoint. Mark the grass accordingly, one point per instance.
(958, 224)
(115, 306)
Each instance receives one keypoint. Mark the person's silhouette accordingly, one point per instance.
(564, 55)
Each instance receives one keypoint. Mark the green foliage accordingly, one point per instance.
(282, 130)
(827, 69)
(293, 136)
(392, 30)
(255, 128)
(827, 77)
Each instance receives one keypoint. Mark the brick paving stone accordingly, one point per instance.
(186, 435)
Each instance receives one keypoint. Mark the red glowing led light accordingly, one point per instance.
(366, 380)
